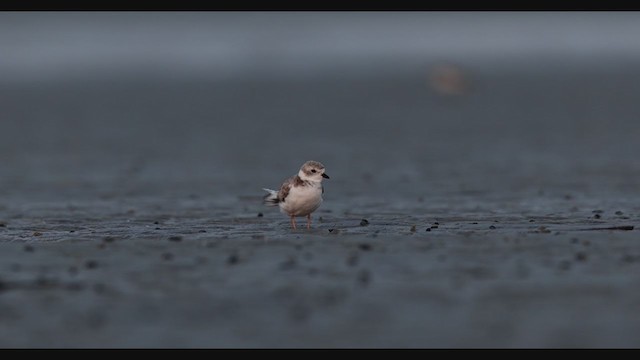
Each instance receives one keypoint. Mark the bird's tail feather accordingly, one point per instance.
(271, 199)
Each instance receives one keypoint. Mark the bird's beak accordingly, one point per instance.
(325, 176)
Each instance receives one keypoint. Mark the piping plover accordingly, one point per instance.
(301, 194)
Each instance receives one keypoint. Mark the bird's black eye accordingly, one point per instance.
(313, 171)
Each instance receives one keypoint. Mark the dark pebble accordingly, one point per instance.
(434, 226)
(364, 277)
(72, 231)
(475, 223)
(28, 248)
(260, 214)
(413, 228)
(158, 228)
(91, 264)
(581, 256)
(156, 222)
(364, 222)
(619, 212)
(596, 216)
(532, 220)
(202, 231)
(175, 238)
(428, 229)
(288, 264)
(233, 259)
(108, 239)
(3, 224)
(37, 233)
(365, 247)
(436, 223)
(352, 260)
(492, 227)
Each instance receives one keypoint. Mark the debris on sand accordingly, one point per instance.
(365, 247)
(542, 230)
(624, 227)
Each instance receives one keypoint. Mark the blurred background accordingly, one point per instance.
(221, 104)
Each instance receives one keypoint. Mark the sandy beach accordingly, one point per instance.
(493, 205)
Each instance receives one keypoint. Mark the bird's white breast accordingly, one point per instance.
(302, 200)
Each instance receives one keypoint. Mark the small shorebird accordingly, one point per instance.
(301, 194)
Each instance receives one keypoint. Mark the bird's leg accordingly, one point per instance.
(308, 221)
(293, 222)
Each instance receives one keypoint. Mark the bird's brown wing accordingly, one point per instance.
(284, 189)
(295, 180)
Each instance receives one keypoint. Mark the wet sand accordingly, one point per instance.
(504, 215)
